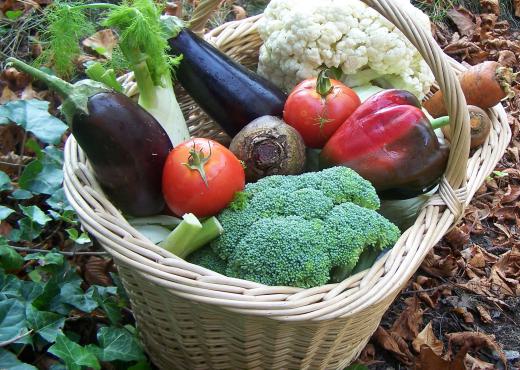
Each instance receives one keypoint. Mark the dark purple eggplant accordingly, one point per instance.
(228, 92)
(124, 144)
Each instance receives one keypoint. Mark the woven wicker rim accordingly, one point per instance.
(330, 301)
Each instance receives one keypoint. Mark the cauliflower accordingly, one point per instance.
(302, 36)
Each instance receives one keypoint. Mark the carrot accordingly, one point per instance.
(480, 125)
(484, 85)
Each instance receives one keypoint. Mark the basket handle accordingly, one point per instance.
(455, 176)
(201, 14)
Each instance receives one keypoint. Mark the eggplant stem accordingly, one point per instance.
(63, 88)
(440, 122)
(197, 160)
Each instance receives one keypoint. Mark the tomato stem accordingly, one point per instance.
(197, 160)
(323, 84)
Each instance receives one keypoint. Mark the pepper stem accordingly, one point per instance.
(323, 84)
(63, 88)
(197, 160)
(440, 122)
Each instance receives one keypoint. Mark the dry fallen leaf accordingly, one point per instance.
(473, 363)
(507, 58)
(465, 314)
(428, 360)
(407, 324)
(506, 273)
(512, 194)
(517, 7)
(427, 338)
(463, 19)
(484, 314)
(390, 344)
(7, 95)
(102, 42)
(474, 341)
(490, 6)
(240, 13)
(96, 271)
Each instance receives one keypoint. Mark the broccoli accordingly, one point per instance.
(299, 230)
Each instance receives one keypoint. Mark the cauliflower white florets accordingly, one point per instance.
(302, 36)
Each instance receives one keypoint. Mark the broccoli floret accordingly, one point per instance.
(352, 229)
(282, 251)
(207, 258)
(295, 230)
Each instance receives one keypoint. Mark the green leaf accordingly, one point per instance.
(10, 286)
(33, 116)
(35, 147)
(9, 361)
(106, 299)
(118, 344)
(12, 320)
(78, 239)
(35, 214)
(44, 176)
(46, 259)
(13, 15)
(58, 201)
(72, 294)
(95, 71)
(10, 259)
(72, 354)
(21, 194)
(5, 212)
(5, 182)
(46, 324)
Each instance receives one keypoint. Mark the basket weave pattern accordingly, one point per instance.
(192, 318)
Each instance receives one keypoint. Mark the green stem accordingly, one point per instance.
(63, 88)
(323, 84)
(440, 122)
(190, 235)
(179, 240)
(142, 75)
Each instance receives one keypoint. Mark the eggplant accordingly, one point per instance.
(125, 145)
(228, 92)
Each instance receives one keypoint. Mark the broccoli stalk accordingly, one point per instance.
(191, 234)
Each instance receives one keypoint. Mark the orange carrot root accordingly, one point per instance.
(484, 85)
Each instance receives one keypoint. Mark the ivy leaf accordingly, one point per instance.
(58, 201)
(5, 182)
(5, 212)
(46, 324)
(9, 361)
(105, 297)
(10, 259)
(72, 354)
(30, 227)
(78, 239)
(72, 294)
(35, 214)
(12, 320)
(45, 175)
(33, 115)
(51, 259)
(21, 194)
(10, 286)
(118, 344)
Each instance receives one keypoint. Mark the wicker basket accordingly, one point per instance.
(193, 318)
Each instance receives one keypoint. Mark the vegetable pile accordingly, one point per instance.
(294, 200)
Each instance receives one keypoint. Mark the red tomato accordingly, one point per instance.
(315, 116)
(201, 176)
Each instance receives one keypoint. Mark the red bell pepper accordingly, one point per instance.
(390, 142)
